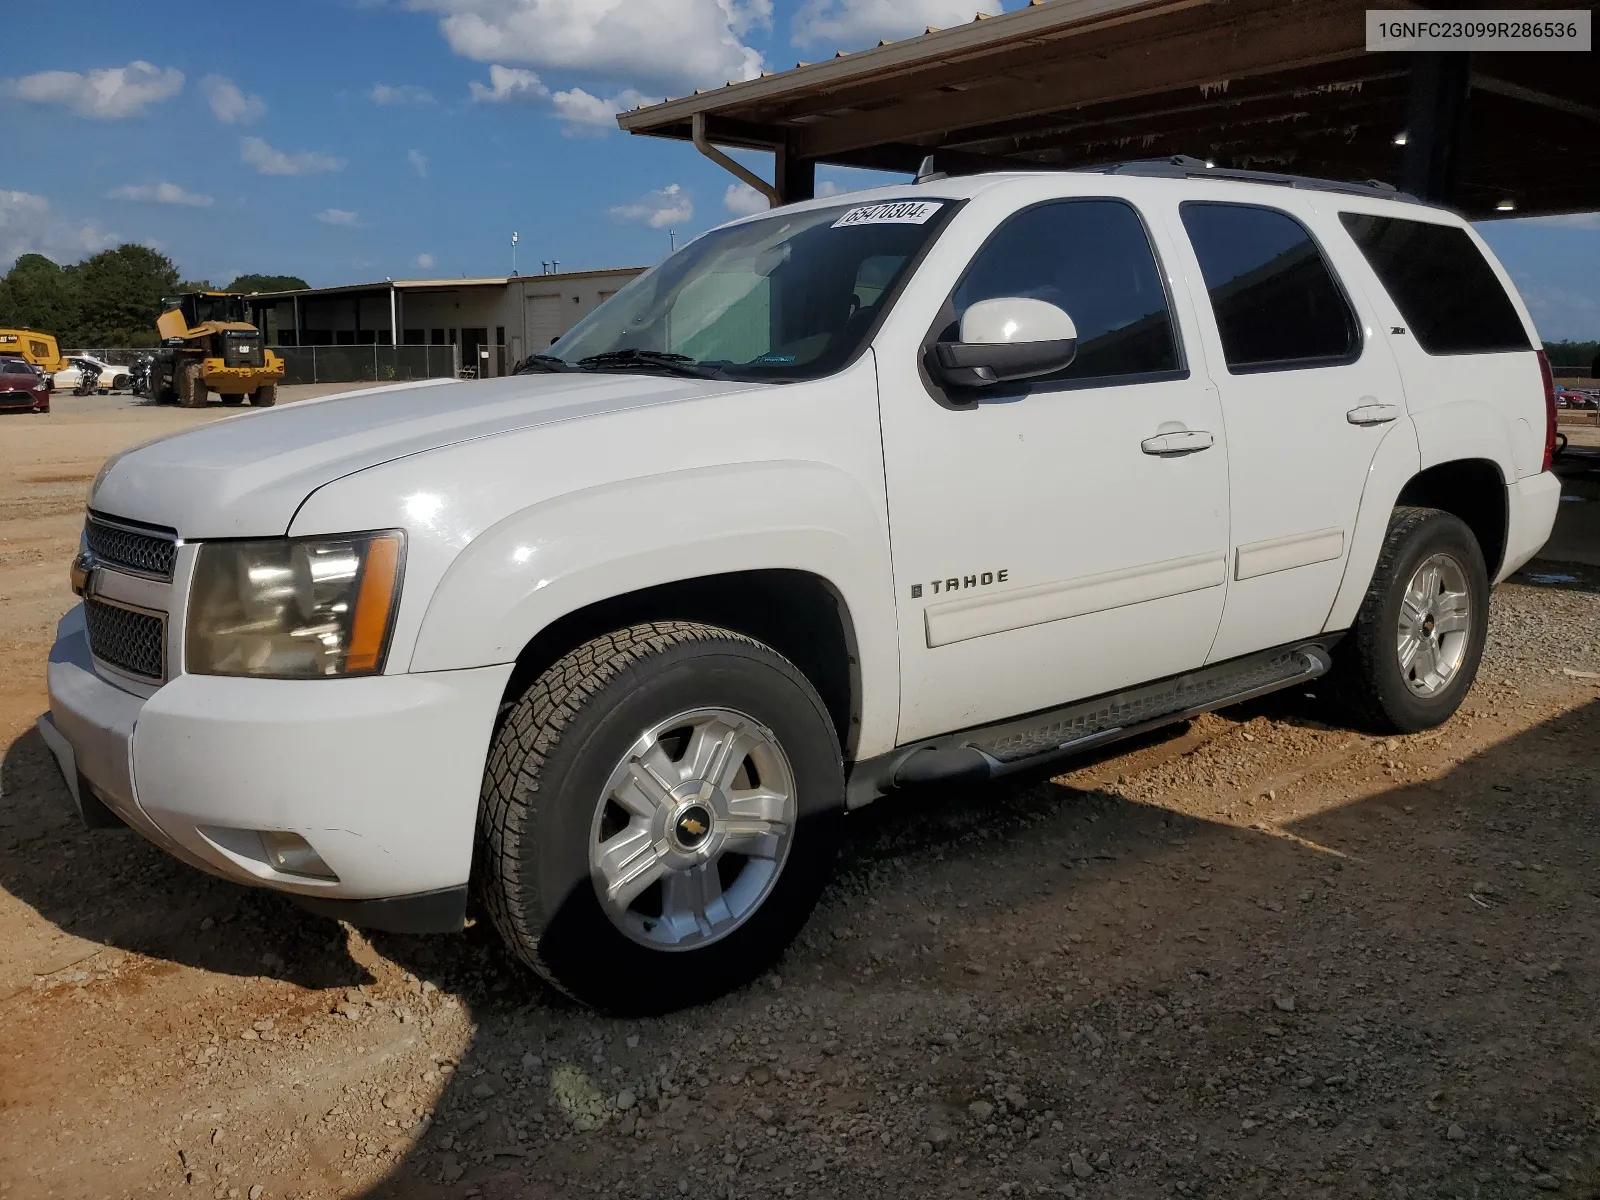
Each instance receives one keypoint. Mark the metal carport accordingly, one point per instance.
(1282, 85)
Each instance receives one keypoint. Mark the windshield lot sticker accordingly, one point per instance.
(898, 212)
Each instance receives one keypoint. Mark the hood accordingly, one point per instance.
(245, 476)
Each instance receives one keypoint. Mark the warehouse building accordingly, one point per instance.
(492, 322)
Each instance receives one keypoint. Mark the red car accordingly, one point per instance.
(23, 386)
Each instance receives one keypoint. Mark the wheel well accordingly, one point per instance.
(797, 613)
(1473, 490)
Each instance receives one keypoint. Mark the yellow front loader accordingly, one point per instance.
(207, 345)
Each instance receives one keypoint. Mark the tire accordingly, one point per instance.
(265, 396)
(1380, 693)
(556, 761)
(190, 388)
(233, 398)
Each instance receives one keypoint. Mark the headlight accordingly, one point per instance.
(294, 608)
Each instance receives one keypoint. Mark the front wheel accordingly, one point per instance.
(265, 396)
(1419, 636)
(190, 386)
(659, 815)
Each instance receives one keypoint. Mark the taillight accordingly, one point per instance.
(1549, 411)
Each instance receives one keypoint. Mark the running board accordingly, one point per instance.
(994, 751)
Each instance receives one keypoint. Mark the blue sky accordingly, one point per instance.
(348, 140)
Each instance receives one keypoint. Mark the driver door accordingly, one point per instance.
(1046, 548)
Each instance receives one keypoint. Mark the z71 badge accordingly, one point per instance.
(957, 583)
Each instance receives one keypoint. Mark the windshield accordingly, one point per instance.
(791, 296)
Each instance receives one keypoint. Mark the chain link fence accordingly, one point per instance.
(362, 364)
(335, 364)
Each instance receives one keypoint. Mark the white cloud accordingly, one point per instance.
(29, 225)
(425, 261)
(666, 206)
(418, 161)
(106, 92)
(742, 200)
(404, 93)
(231, 105)
(583, 115)
(159, 193)
(675, 44)
(339, 216)
(269, 161)
(509, 85)
(852, 24)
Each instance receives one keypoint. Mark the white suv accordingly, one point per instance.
(942, 482)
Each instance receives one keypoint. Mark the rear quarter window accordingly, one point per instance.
(1450, 297)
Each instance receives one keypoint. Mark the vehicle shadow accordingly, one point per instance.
(116, 889)
(1389, 996)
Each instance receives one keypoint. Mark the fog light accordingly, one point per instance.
(293, 855)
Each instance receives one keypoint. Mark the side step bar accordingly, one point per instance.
(993, 751)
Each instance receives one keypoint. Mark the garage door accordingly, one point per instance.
(546, 320)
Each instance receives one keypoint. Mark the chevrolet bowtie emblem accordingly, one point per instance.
(692, 827)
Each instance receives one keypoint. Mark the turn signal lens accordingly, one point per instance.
(1549, 411)
(294, 608)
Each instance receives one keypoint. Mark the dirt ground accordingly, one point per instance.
(1259, 955)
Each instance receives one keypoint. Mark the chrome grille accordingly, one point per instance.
(135, 642)
(150, 553)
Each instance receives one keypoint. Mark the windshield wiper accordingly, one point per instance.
(537, 363)
(648, 360)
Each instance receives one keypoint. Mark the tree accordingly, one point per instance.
(37, 294)
(197, 285)
(268, 283)
(120, 295)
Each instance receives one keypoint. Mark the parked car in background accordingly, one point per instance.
(1574, 398)
(22, 385)
(112, 378)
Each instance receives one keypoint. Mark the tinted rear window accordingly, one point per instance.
(14, 367)
(1277, 303)
(1449, 295)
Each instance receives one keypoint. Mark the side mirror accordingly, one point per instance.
(1007, 338)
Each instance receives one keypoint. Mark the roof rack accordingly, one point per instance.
(1184, 166)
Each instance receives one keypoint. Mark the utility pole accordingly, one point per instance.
(513, 251)
(672, 241)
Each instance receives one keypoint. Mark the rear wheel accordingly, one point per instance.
(190, 387)
(265, 396)
(660, 813)
(1419, 636)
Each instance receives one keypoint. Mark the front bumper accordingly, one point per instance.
(226, 380)
(1531, 505)
(380, 775)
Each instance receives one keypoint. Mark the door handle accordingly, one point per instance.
(1372, 414)
(1172, 445)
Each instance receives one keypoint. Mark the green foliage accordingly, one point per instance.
(110, 299)
(119, 295)
(1573, 358)
(267, 283)
(37, 294)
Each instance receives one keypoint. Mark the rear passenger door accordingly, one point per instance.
(1308, 391)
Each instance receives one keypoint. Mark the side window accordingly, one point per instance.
(1277, 303)
(1092, 259)
(1449, 296)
